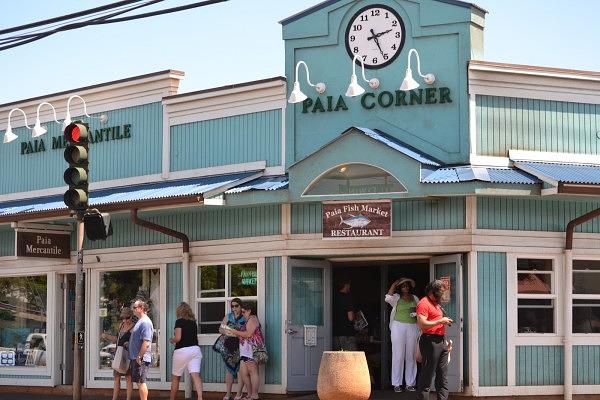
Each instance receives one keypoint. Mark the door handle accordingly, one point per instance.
(291, 331)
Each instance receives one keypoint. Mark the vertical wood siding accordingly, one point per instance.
(447, 213)
(174, 297)
(213, 368)
(7, 243)
(273, 323)
(533, 214)
(307, 218)
(586, 365)
(407, 215)
(505, 123)
(138, 155)
(228, 140)
(539, 365)
(491, 294)
(203, 224)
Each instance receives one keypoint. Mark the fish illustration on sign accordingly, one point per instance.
(355, 221)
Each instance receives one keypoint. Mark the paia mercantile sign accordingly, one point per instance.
(357, 219)
(45, 245)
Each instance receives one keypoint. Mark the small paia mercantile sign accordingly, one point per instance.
(44, 245)
(357, 219)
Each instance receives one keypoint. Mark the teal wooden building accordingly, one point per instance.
(487, 176)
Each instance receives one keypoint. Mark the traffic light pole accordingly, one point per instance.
(79, 311)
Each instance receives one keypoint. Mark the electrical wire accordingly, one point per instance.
(73, 25)
(108, 20)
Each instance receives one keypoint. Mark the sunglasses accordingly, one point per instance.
(235, 305)
(134, 307)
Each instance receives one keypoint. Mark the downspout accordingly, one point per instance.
(185, 261)
(568, 302)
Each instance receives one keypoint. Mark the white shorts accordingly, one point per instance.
(187, 357)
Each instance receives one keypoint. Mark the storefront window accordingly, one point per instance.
(535, 296)
(23, 318)
(117, 290)
(217, 285)
(586, 288)
(355, 179)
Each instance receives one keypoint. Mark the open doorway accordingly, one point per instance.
(370, 282)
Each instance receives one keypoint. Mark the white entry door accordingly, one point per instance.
(309, 306)
(449, 269)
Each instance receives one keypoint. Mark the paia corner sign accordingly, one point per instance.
(357, 219)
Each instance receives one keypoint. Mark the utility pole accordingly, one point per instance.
(79, 311)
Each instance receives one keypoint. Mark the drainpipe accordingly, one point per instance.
(568, 301)
(185, 261)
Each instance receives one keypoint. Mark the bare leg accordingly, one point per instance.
(244, 377)
(143, 389)
(129, 386)
(197, 384)
(116, 387)
(254, 379)
(174, 387)
(229, 383)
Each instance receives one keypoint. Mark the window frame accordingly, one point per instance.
(209, 338)
(513, 297)
(96, 377)
(580, 296)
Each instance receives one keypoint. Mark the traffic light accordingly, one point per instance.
(77, 175)
(97, 225)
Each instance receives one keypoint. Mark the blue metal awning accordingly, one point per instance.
(398, 145)
(470, 173)
(262, 183)
(557, 173)
(204, 186)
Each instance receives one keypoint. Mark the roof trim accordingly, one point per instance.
(327, 3)
(80, 89)
(227, 87)
(490, 66)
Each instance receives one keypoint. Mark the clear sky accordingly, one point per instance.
(240, 41)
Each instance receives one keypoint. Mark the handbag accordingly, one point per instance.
(260, 355)
(121, 361)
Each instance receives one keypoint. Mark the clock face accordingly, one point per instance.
(376, 35)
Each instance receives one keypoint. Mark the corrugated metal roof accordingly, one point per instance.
(150, 191)
(262, 183)
(470, 173)
(398, 145)
(562, 172)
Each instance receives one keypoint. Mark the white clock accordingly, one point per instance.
(376, 35)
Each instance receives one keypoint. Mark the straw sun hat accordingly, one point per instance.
(403, 280)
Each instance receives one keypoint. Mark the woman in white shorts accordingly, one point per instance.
(187, 353)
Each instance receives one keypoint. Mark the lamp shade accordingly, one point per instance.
(408, 83)
(38, 129)
(296, 96)
(9, 136)
(354, 89)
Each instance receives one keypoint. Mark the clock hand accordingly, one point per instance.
(383, 33)
(376, 40)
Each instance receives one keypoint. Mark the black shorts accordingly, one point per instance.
(139, 373)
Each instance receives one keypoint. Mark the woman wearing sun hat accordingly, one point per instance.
(404, 333)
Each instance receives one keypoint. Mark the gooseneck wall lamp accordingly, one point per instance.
(297, 96)
(103, 118)
(354, 89)
(409, 83)
(38, 129)
(9, 136)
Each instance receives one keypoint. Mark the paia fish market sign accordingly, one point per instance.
(59, 142)
(357, 219)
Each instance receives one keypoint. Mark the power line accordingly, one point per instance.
(103, 20)
(67, 16)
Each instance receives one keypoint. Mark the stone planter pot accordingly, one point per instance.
(344, 375)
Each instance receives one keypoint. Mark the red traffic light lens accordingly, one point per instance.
(75, 133)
